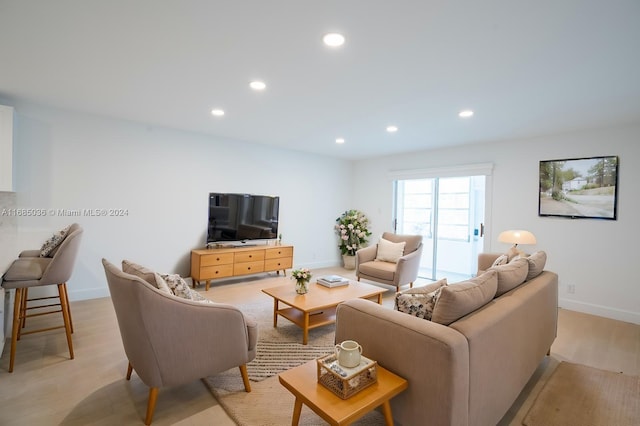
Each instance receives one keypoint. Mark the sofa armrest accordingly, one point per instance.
(408, 266)
(432, 357)
(485, 260)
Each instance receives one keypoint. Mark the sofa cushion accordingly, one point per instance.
(460, 299)
(536, 264)
(145, 273)
(511, 275)
(420, 301)
(49, 247)
(389, 252)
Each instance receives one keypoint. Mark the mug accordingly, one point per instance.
(348, 353)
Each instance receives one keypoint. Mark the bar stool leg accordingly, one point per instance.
(65, 316)
(66, 297)
(17, 309)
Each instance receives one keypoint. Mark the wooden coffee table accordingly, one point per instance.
(302, 382)
(318, 306)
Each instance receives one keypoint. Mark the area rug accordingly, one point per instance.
(275, 357)
(585, 396)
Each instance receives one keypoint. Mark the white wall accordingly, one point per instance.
(66, 160)
(598, 257)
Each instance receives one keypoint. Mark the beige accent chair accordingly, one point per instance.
(170, 341)
(395, 274)
(30, 270)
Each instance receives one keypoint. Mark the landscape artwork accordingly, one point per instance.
(579, 188)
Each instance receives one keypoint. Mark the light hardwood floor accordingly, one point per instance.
(46, 388)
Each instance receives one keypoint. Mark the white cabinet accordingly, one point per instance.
(6, 148)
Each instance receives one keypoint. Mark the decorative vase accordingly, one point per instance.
(302, 286)
(349, 261)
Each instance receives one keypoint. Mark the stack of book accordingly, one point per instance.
(332, 281)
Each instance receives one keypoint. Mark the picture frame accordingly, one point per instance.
(579, 188)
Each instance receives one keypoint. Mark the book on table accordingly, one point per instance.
(332, 281)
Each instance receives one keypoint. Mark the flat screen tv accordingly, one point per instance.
(579, 188)
(242, 217)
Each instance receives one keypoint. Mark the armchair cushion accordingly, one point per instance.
(52, 243)
(390, 252)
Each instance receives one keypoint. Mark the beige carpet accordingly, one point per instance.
(269, 403)
(585, 396)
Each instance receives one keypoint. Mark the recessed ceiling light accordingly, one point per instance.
(257, 85)
(333, 39)
(465, 113)
(392, 129)
(217, 112)
(340, 140)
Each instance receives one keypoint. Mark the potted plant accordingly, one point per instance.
(352, 228)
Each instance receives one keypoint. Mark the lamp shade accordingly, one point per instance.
(517, 236)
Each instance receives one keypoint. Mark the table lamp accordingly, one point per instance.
(517, 236)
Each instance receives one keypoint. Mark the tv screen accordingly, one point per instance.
(242, 217)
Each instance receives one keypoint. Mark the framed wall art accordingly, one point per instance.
(579, 188)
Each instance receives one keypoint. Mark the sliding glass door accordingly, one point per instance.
(449, 213)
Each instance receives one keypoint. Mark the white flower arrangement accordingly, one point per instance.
(353, 229)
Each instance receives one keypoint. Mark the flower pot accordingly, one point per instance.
(302, 286)
(349, 261)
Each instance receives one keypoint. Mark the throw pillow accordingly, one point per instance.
(53, 242)
(162, 284)
(536, 264)
(140, 271)
(180, 288)
(460, 299)
(511, 275)
(501, 260)
(389, 252)
(420, 301)
(513, 252)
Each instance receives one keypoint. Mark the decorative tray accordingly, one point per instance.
(346, 382)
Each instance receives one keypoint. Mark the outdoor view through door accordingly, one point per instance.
(449, 214)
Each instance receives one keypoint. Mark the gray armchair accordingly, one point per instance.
(170, 341)
(395, 274)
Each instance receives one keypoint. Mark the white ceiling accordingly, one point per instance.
(527, 68)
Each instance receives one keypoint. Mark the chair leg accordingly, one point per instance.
(17, 322)
(65, 315)
(66, 298)
(129, 371)
(245, 378)
(151, 405)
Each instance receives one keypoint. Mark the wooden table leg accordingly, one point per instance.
(380, 299)
(305, 329)
(275, 312)
(297, 409)
(386, 410)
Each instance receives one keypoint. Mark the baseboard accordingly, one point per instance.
(86, 294)
(601, 311)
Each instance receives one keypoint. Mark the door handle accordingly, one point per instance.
(481, 230)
